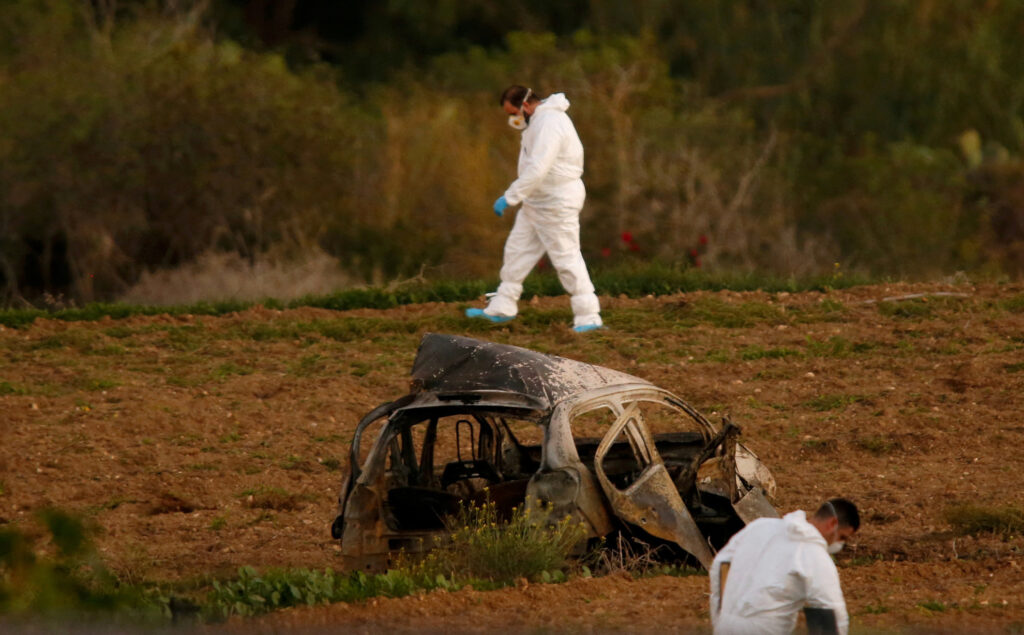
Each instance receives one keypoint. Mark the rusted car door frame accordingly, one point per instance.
(651, 501)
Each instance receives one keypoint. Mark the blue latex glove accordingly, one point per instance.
(500, 205)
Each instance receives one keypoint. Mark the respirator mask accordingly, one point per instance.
(520, 120)
(837, 546)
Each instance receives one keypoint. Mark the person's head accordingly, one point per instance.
(838, 520)
(519, 102)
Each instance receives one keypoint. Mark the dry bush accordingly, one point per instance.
(216, 276)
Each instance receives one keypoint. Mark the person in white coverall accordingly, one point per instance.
(774, 567)
(551, 192)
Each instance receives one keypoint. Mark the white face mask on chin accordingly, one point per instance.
(836, 547)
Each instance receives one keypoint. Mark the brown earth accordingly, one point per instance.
(196, 445)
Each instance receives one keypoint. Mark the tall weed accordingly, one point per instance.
(482, 546)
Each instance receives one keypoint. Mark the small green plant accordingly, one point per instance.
(917, 308)
(228, 368)
(820, 445)
(295, 462)
(218, 523)
(483, 546)
(934, 606)
(877, 445)
(822, 403)
(759, 352)
(969, 519)
(307, 365)
(7, 388)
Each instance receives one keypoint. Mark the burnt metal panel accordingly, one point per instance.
(453, 364)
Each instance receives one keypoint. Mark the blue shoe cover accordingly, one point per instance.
(479, 313)
(586, 328)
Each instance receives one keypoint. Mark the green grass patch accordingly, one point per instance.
(1014, 368)
(822, 403)
(934, 606)
(632, 281)
(1013, 304)
(7, 388)
(970, 519)
(716, 312)
(252, 593)
(759, 352)
(186, 338)
(836, 346)
(908, 309)
(875, 609)
(307, 365)
(94, 384)
(877, 445)
(228, 369)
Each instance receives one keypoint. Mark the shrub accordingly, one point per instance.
(482, 546)
(71, 580)
(970, 518)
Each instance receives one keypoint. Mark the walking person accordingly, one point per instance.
(550, 188)
(774, 567)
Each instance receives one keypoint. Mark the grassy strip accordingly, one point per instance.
(652, 279)
(971, 519)
(252, 593)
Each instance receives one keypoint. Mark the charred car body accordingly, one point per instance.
(514, 426)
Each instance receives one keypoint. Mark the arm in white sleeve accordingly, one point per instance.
(538, 163)
(823, 590)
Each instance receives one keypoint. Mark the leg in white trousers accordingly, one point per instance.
(557, 234)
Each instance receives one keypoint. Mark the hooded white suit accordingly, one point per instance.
(777, 566)
(552, 193)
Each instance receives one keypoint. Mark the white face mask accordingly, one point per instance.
(520, 120)
(836, 547)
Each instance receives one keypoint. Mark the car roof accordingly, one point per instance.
(456, 364)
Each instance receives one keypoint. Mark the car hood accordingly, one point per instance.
(455, 364)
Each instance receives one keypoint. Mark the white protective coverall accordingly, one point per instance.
(777, 566)
(552, 193)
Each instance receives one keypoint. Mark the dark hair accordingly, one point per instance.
(516, 95)
(843, 510)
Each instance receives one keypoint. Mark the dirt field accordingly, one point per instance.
(196, 445)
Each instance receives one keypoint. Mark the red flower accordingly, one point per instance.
(703, 239)
(627, 237)
(605, 252)
(693, 254)
(634, 247)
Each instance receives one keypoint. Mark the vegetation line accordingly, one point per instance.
(633, 282)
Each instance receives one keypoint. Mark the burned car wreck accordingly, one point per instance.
(514, 426)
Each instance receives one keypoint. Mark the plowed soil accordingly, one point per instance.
(195, 445)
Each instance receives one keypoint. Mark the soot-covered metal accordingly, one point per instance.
(495, 422)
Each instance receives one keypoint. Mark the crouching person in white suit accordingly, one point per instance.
(550, 189)
(775, 567)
